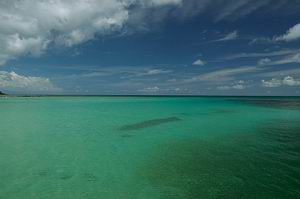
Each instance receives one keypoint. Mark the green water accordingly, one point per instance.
(149, 148)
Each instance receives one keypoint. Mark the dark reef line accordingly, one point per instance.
(149, 123)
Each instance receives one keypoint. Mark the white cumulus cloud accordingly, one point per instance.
(264, 61)
(29, 26)
(271, 83)
(240, 85)
(288, 80)
(153, 89)
(199, 62)
(291, 35)
(26, 84)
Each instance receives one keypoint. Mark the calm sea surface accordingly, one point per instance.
(149, 148)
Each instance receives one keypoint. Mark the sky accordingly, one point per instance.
(150, 47)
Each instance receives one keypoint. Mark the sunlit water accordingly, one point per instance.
(149, 148)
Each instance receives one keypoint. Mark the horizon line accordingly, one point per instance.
(120, 95)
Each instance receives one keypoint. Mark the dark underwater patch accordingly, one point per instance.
(224, 111)
(65, 176)
(149, 123)
(126, 136)
(273, 103)
(261, 163)
(192, 170)
(284, 134)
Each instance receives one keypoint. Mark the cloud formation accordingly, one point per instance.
(199, 62)
(292, 34)
(238, 87)
(152, 72)
(223, 74)
(230, 36)
(282, 73)
(262, 54)
(271, 83)
(26, 84)
(28, 27)
(231, 9)
(293, 58)
(288, 80)
(153, 89)
(264, 61)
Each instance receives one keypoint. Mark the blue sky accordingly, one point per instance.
(172, 47)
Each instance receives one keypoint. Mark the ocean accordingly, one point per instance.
(149, 147)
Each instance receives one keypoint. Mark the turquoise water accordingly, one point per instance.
(149, 147)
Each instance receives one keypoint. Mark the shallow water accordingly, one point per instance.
(149, 147)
